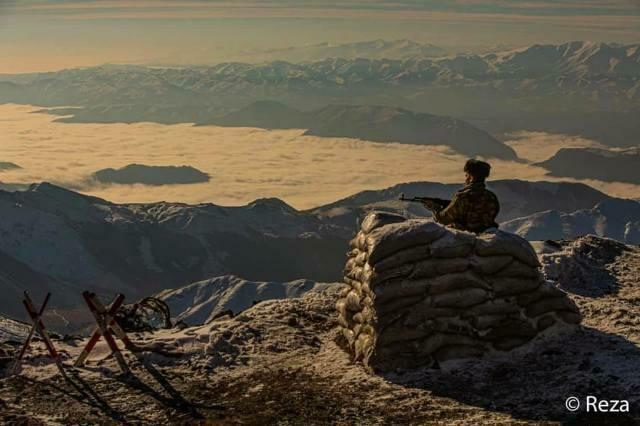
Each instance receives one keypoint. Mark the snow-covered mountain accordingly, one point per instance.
(198, 303)
(591, 89)
(613, 218)
(53, 239)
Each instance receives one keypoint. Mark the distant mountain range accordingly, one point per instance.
(614, 218)
(58, 240)
(372, 123)
(593, 163)
(581, 88)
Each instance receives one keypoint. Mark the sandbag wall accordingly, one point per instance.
(420, 293)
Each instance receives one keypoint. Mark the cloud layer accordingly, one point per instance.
(244, 163)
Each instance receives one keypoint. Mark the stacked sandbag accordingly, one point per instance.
(420, 293)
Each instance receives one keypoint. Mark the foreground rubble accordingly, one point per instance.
(279, 361)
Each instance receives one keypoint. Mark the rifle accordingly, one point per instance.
(426, 201)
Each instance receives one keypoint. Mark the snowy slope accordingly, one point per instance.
(199, 302)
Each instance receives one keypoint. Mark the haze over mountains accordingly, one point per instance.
(582, 88)
(373, 49)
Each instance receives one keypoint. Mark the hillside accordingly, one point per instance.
(592, 163)
(372, 123)
(614, 218)
(58, 240)
(278, 360)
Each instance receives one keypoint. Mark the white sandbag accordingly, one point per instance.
(352, 301)
(436, 267)
(506, 243)
(376, 219)
(488, 265)
(359, 242)
(390, 239)
(508, 286)
(361, 258)
(341, 308)
(343, 321)
(345, 291)
(453, 244)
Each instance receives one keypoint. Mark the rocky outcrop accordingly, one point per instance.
(420, 293)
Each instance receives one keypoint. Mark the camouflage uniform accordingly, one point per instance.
(473, 208)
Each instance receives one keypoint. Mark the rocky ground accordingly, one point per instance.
(279, 362)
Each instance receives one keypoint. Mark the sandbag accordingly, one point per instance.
(545, 322)
(501, 243)
(460, 298)
(449, 352)
(376, 219)
(517, 269)
(492, 307)
(421, 314)
(392, 335)
(435, 267)
(483, 322)
(390, 239)
(360, 241)
(552, 304)
(488, 265)
(343, 321)
(396, 304)
(352, 301)
(434, 342)
(570, 317)
(545, 291)
(453, 244)
(508, 286)
(402, 257)
(509, 343)
(511, 328)
(348, 335)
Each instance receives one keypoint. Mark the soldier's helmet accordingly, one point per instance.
(478, 169)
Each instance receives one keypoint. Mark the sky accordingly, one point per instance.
(245, 163)
(45, 35)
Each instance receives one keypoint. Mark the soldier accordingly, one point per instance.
(474, 208)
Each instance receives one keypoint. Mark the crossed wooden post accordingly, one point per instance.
(38, 326)
(105, 318)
